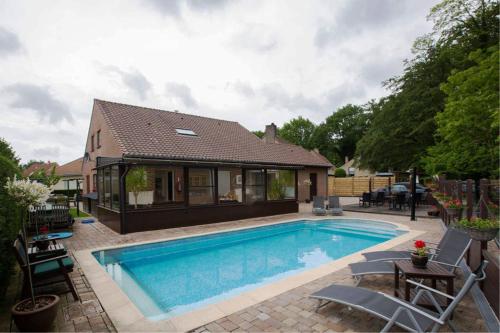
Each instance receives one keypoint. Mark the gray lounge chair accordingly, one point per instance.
(449, 235)
(449, 255)
(334, 207)
(398, 312)
(319, 205)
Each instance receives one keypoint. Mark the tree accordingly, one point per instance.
(405, 123)
(136, 181)
(260, 134)
(49, 180)
(7, 151)
(340, 173)
(298, 131)
(467, 132)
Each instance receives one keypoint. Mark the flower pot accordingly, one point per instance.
(419, 261)
(453, 211)
(42, 244)
(38, 319)
(482, 234)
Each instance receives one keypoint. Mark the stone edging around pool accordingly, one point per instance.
(127, 317)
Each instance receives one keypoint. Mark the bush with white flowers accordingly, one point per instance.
(26, 192)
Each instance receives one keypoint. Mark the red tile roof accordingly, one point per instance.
(38, 166)
(73, 168)
(145, 132)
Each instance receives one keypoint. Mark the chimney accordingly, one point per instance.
(346, 159)
(270, 133)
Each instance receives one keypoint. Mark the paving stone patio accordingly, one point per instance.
(292, 311)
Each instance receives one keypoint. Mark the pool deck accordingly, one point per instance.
(278, 307)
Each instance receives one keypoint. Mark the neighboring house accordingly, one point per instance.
(198, 170)
(71, 176)
(351, 168)
(47, 166)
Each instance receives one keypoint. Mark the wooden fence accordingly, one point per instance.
(355, 186)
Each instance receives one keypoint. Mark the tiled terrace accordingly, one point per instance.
(291, 311)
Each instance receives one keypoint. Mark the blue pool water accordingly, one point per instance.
(168, 278)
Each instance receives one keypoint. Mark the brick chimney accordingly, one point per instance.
(270, 133)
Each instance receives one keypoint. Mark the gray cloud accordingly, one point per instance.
(46, 153)
(39, 99)
(358, 16)
(182, 92)
(133, 79)
(173, 8)
(276, 96)
(255, 37)
(243, 88)
(9, 43)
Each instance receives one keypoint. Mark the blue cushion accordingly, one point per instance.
(52, 266)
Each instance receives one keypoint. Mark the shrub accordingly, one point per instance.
(339, 172)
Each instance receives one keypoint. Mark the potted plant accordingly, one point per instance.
(37, 312)
(42, 241)
(307, 182)
(420, 256)
(136, 182)
(480, 229)
(453, 207)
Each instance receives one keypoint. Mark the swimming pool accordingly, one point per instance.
(172, 277)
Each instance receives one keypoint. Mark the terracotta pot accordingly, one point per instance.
(39, 319)
(419, 261)
(482, 234)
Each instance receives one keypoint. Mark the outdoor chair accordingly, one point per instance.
(334, 207)
(60, 217)
(397, 312)
(449, 255)
(45, 271)
(400, 200)
(449, 236)
(319, 205)
(365, 199)
(377, 198)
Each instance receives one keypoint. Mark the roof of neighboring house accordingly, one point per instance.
(151, 133)
(73, 168)
(38, 166)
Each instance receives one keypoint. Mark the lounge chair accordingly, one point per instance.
(46, 271)
(319, 205)
(449, 255)
(449, 235)
(406, 315)
(334, 207)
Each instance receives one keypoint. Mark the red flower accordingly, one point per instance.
(419, 244)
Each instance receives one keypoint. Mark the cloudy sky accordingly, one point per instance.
(251, 61)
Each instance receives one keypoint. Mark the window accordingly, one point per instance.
(201, 186)
(100, 186)
(280, 184)
(229, 185)
(254, 185)
(107, 187)
(183, 131)
(115, 188)
(98, 139)
(94, 182)
(92, 143)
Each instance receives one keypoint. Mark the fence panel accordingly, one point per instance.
(355, 186)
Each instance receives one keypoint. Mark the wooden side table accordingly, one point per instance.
(433, 272)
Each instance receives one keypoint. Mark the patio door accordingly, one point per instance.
(313, 190)
(164, 186)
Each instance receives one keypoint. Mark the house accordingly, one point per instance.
(38, 166)
(198, 170)
(352, 169)
(71, 177)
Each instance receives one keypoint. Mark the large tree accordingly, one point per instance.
(337, 136)
(298, 131)
(467, 132)
(404, 126)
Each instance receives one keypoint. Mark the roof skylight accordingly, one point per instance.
(184, 131)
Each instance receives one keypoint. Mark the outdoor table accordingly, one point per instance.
(433, 271)
(53, 250)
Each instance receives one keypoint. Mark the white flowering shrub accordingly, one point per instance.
(27, 192)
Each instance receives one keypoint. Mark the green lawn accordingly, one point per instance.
(72, 212)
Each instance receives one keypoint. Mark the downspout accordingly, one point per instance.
(123, 193)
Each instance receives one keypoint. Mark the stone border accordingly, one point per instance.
(127, 317)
